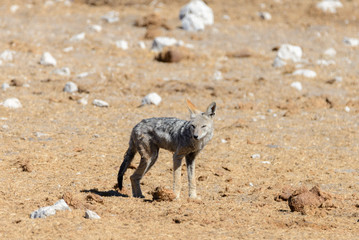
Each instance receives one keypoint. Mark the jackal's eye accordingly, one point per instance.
(204, 126)
(193, 126)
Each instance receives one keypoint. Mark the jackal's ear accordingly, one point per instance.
(211, 110)
(192, 108)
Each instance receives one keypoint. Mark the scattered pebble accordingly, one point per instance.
(142, 45)
(82, 75)
(122, 44)
(256, 155)
(50, 210)
(195, 15)
(62, 71)
(305, 72)
(5, 86)
(47, 59)
(329, 6)
(96, 28)
(152, 98)
(70, 87)
(266, 162)
(353, 42)
(296, 85)
(223, 140)
(78, 37)
(83, 101)
(7, 55)
(287, 52)
(217, 75)
(347, 109)
(68, 49)
(91, 215)
(324, 62)
(160, 42)
(111, 17)
(14, 8)
(100, 103)
(265, 15)
(330, 52)
(12, 103)
(226, 17)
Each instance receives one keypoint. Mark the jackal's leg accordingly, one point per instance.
(191, 175)
(137, 176)
(177, 163)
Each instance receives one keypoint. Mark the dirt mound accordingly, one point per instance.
(163, 194)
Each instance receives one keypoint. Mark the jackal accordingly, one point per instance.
(183, 138)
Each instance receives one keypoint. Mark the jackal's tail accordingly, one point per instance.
(129, 155)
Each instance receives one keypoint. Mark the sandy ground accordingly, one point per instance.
(54, 147)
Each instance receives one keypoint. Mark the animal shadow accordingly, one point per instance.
(109, 193)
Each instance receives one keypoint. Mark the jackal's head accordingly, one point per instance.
(201, 122)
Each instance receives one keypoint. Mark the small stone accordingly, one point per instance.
(142, 45)
(347, 109)
(324, 62)
(61, 205)
(7, 55)
(278, 62)
(100, 103)
(5, 86)
(296, 85)
(353, 42)
(78, 37)
(82, 75)
(12, 103)
(160, 42)
(290, 52)
(70, 87)
(43, 212)
(195, 15)
(83, 101)
(266, 162)
(62, 71)
(14, 8)
(329, 6)
(256, 155)
(47, 59)
(68, 49)
(217, 75)
(111, 17)
(265, 15)
(122, 44)
(330, 52)
(96, 28)
(305, 72)
(91, 215)
(152, 98)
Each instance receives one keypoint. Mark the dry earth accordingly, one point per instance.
(304, 138)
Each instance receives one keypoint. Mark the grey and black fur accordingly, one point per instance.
(183, 138)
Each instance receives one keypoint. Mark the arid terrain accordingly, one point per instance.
(269, 136)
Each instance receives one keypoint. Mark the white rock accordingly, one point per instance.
(217, 75)
(296, 85)
(5, 126)
(78, 37)
(91, 215)
(43, 212)
(192, 23)
(223, 140)
(50, 210)
(122, 44)
(290, 52)
(100, 103)
(82, 75)
(40, 134)
(152, 98)
(142, 45)
(12, 103)
(347, 109)
(68, 49)
(265, 15)
(226, 17)
(305, 72)
(330, 52)
(83, 101)
(61, 205)
(324, 62)
(5, 86)
(47, 59)
(256, 155)
(266, 162)
(111, 17)
(96, 28)
(62, 71)
(7, 55)
(70, 87)
(338, 79)
(196, 14)
(14, 8)
(329, 6)
(278, 62)
(160, 42)
(353, 42)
